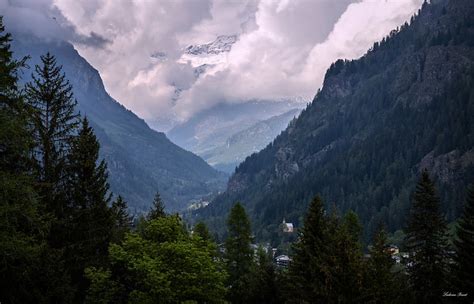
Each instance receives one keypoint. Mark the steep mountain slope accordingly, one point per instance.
(406, 105)
(243, 143)
(140, 160)
(208, 133)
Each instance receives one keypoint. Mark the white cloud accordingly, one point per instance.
(284, 47)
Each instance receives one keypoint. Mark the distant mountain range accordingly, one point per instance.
(222, 44)
(405, 106)
(140, 160)
(226, 134)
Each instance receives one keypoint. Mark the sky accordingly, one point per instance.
(278, 49)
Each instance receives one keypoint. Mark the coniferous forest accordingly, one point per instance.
(66, 238)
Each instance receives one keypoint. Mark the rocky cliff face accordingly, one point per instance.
(405, 105)
(140, 160)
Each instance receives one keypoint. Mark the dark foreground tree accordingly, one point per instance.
(51, 98)
(239, 254)
(89, 219)
(465, 248)
(380, 281)
(344, 261)
(327, 262)
(426, 241)
(21, 227)
(30, 271)
(307, 272)
(265, 288)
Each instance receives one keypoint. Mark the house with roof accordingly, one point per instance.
(287, 227)
(283, 261)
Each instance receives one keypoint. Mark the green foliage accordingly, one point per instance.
(464, 243)
(265, 287)
(426, 241)
(307, 273)
(200, 229)
(122, 220)
(381, 282)
(89, 220)
(344, 260)
(30, 271)
(239, 254)
(157, 208)
(103, 288)
(163, 265)
(327, 262)
(53, 105)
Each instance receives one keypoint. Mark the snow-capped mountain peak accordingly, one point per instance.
(222, 44)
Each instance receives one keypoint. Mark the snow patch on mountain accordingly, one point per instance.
(222, 44)
(207, 57)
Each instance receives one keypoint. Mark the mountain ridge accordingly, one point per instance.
(407, 104)
(140, 160)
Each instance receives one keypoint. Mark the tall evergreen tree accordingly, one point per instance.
(239, 254)
(426, 241)
(20, 222)
(90, 220)
(344, 261)
(265, 287)
(122, 220)
(29, 271)
(55, 122)
(465, 248)
(307, 272)
(157, 208)
(380, 282)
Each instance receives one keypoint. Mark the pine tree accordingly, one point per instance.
(345, 259)
(426, 241)
(353, 226)
(239, 254)
(51, 98)
(200, 229)
(157, 209)
(30, 271)
(465, 248)
(308, 275)
(90, 220)
(20, 222)
(122, 220)
(380, 282)
(264, 280)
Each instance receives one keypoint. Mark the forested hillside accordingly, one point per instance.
(140, 160)
(406, 105)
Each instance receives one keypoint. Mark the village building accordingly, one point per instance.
(283, 261)
(287, 227)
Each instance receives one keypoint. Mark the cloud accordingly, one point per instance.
(292, 46)
(283, 48)
(43, 19)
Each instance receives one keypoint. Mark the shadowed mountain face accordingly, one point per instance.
(227, 133)
(140, 160)
(406, 105)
